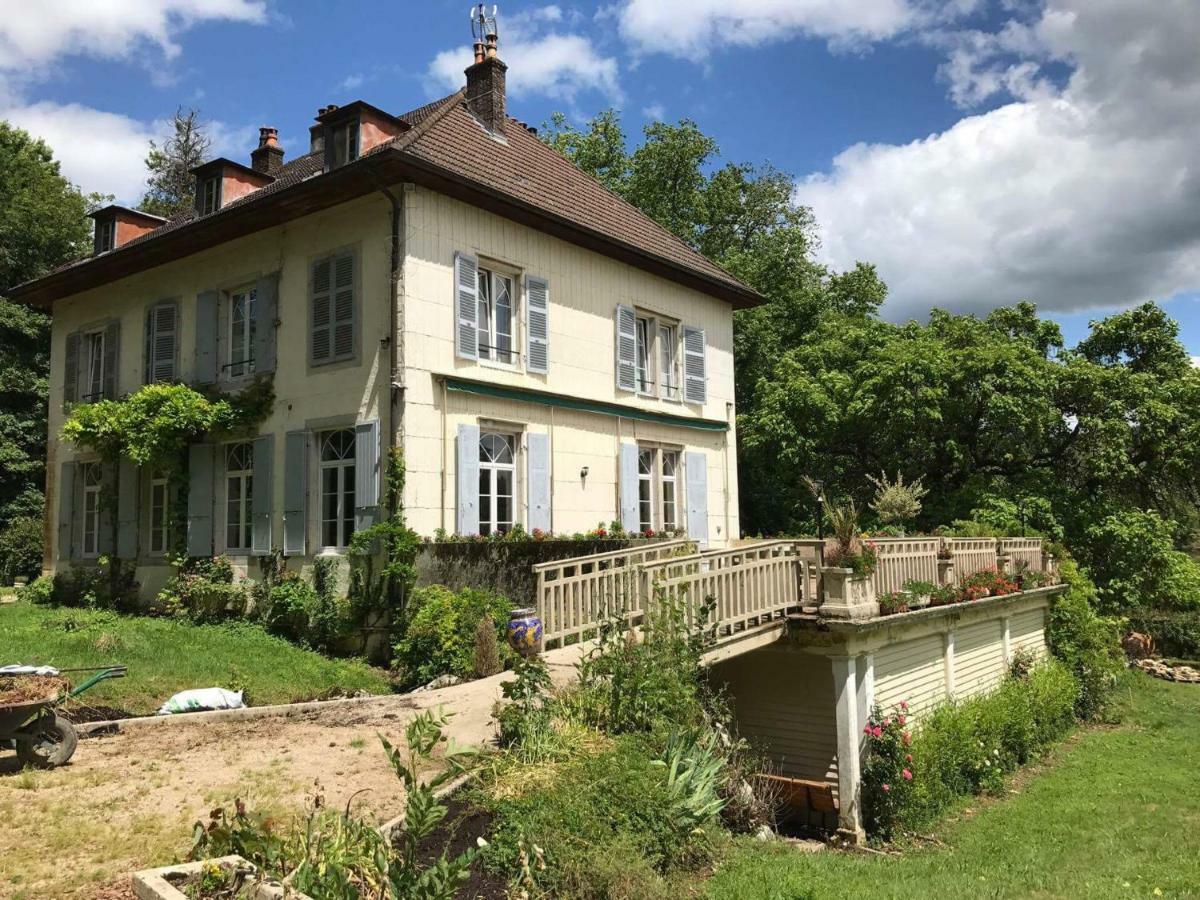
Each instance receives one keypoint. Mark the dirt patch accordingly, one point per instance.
(464, 824)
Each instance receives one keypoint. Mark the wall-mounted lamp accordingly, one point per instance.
(583, 473)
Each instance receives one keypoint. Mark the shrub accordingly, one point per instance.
(966, 748)
(327, 614)
(40, 590)
(487, 651)
(1088, 644)
(204, 591)
(440, 637)
(21, 549)
(598, 804)
(1131, 557)
(289, 604)
(1175, 634)
(110, 584)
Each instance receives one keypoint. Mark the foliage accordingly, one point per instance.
(631, 685)
(204, 591)
(169, 654)
(290, 603)
(171, 186)
(895, 502)
(1175, 634)
(695, 774)
(849, 550)
(390, 547)
(110, 584)
(614, 801)
(24, 373)
(526, 716)
(326, 615)
(487, 650)
(1026, 515)
(40, 590)
(440, 636)
(1130, 554)
(965, 748)
(21, 549)
(1087, 644)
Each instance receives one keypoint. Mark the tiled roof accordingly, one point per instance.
(518, 168)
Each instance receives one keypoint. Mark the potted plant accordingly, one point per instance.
(893, 602)
(849, 564)
(919, 593)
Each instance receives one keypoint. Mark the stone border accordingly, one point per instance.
(152, 884)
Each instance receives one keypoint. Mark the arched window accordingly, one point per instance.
(497, 470)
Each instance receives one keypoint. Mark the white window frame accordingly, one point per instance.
(491, 470)
(672, 481)
(159, 524)
(93, 486)
(667, 350)
(345, 138)
(239, 495)
(92, 376)
(647, 465)
(652, 488)
(106, 235)
(343, 468)
(240, 364)
(656, 356)
(487, 346)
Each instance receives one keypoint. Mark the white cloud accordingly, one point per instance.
(350, 82)
(550, 63)
(655, 112)
(694, 27)
(1076, 196)
(106, 152)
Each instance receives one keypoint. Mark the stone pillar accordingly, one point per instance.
(945, 568)
(846, 687)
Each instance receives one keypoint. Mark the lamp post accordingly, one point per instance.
(819, 491)
(1021, 514)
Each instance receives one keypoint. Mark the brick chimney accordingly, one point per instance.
(267, 157)
(485, 77)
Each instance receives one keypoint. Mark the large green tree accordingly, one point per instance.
(43, 224)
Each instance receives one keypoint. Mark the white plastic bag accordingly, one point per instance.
(201, 699)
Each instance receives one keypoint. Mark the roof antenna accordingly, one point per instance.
(483, 28)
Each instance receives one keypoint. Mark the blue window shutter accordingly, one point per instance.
(162, 343)
(626, 342)
(466, 306)
(206, 337)
(538, 480)
(695, 376)
(200, 500)
(295, 493)
(468, 479)
(366, 474)
(320, 303)
(71, 370)
(112, 357)
(66, 509)
(695, 470)
(127, 510)
(262, 493)
(266, 311)
(537, 324)
(629, 487)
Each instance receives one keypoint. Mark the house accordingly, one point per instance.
(438, 281)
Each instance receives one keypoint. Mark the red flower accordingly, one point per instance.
(901, 719)
(878, 731)
(907, 738)
(886, 788)
(867, 729)
(904, 705)
(907, 775)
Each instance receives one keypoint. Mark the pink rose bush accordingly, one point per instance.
(887, 770)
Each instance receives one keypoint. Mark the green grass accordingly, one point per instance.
(165, 656)
(1116, 813)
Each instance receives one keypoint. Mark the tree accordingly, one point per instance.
(171, 187)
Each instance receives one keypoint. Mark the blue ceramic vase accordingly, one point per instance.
(525, 632)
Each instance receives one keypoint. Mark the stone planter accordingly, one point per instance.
(847, 597)
(1003, 563)
(171, 882)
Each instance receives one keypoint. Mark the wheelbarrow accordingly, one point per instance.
(41, 736)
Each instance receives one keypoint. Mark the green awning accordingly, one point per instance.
(545, 398)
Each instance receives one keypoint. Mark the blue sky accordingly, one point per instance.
(979, 152)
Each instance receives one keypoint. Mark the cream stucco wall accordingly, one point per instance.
(585, 288)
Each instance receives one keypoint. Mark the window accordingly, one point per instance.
(644, 333)
(497, 474)
(106, 235)
(668, 357)
(210, 195)
(658, 489)
(345, 144)
(337, 488)
(239, 487)
(646, 489)
(670, 471)
(92, 387)
(496, 318)
(333, 308)
(159, 513)
(93, 483)
(242, 315)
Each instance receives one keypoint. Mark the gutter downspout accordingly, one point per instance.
(395, 434)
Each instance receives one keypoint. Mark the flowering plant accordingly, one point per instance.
(989, 582)
(894, 602)
(887, 769)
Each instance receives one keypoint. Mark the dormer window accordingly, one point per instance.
(344, 140)
(210, 195)
(106, 235)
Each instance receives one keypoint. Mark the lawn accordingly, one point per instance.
(169, 655)
(1114, 813)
